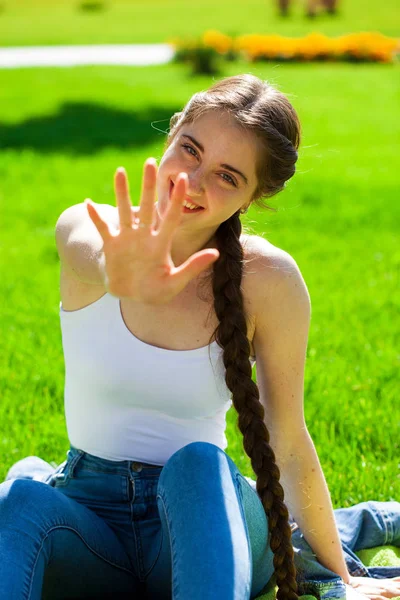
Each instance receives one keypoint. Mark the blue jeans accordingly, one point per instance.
(195, 529)
(95, 528)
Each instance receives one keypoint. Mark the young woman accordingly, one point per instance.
(164, 309)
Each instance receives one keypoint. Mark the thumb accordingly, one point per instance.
(194, 265)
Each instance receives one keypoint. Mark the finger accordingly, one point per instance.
(148, 197)
(101, 225)
(173, 214)
(353, 594)
(124, 204)
(194, 265)
(393, 589)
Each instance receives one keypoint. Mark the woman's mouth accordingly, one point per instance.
(188, 205)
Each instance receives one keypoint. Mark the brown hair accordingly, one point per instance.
(259, 107)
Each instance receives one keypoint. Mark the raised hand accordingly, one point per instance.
(138, 262)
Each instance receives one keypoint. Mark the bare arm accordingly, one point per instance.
(282, 323)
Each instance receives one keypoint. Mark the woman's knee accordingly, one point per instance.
(197, 454)
(199, 468)
(190, 463)
(27, 500)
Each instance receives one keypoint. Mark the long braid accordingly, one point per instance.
(231, 335)
(261, 110)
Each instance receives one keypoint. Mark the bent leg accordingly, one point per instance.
(52, 545)
(215, 531)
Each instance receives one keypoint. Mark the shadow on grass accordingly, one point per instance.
(86, 128)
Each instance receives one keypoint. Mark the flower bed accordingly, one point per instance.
(354, 47)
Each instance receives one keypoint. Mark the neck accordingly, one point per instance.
(185, 243)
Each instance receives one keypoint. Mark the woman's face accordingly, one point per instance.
(220, 160)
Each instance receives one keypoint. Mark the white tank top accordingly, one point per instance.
(128, 400)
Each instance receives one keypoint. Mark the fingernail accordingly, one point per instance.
(120, 170)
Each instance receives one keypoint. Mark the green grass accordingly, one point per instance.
(23, 22)
(62, 134)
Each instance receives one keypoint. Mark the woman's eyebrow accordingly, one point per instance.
(225, 166)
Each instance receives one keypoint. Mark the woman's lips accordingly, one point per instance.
(171, 187)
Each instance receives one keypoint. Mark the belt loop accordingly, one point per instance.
(75, 461)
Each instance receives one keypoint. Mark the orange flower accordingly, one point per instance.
(220, 42)
(315, 44)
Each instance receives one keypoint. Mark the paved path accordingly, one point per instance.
(70, 56)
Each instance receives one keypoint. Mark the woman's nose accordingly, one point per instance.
(195, 182)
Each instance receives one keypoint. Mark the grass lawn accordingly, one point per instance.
(62, 134)
(25, 23)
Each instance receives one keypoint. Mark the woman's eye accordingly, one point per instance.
(190, 148)
(230, 179)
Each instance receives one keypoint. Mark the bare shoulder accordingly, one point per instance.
(264, 260)
(270, 272)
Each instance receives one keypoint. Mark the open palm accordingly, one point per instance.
(138, 262)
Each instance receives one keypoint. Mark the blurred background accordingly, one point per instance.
(43, 22)
(64, 131)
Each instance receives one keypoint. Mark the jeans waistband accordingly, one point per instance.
(122, 467)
